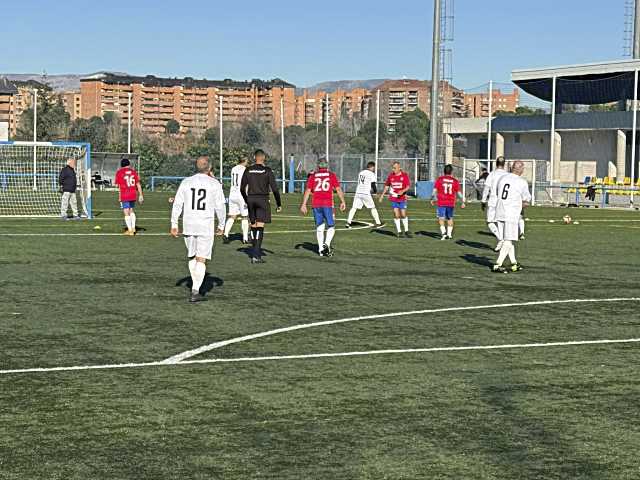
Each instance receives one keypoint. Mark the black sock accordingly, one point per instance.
(260, 233)
(254, 239)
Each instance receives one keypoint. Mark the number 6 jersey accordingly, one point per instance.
(199, 200)
(512, 191)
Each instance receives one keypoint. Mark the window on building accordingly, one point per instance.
(516, 138)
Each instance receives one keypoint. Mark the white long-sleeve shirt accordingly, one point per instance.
(489, 195)
(200, 199)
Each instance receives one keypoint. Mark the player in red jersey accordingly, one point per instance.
(128, 182)
(397, 185)
(445, 192)
(320, 186)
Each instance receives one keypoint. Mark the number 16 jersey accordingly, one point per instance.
(199, 200)
(322, 183)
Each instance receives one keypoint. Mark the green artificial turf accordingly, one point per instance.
(89, 298)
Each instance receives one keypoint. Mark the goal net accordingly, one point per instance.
(29, 177)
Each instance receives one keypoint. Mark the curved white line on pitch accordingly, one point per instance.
(216, 345)
(322, 355)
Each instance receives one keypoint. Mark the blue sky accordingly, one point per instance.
(304, 42)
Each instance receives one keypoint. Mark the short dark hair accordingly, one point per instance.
(448, 169)
(125, 162)
(500, 162)
(259, 153)
(371, 164)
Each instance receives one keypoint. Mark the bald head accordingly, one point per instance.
(71, 162)
(202, 165)
(517, 168)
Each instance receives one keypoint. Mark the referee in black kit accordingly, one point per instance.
(257, 181)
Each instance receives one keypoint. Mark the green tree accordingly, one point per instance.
(605, 107)
(365, 140)
(52, 124)
(92, 130)
(172, 127)
(412, 129)
(520, 111)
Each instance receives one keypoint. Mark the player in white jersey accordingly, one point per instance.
(513, 195)
(490, 198)
(366, 186)
(200, 200)
(237, 205)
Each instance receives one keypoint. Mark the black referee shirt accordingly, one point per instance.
(259, 180)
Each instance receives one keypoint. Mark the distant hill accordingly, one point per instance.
(330, 87)
(59, 83)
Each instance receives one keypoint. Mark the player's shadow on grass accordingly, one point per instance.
(209, 283)
(424, 233)
(248, 251)
(311, 247)
(386, 233)
(477, 260)
(478, 245)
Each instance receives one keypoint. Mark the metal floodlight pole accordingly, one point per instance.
(435, 90)
(35, 138)
(327, 126)
(634, 134)
(489, 125)
(129, 125)
(377, 131)
(221, 133)
(552, 154)
(284, 185)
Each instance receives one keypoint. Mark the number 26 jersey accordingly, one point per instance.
(322, 183)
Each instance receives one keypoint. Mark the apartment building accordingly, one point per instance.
(194, 104)
(72, 102)
(340, 105)
(8, 92)
(477, 104)
(16, 97)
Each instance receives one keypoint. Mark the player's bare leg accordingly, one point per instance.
(198, 270)
(127, 220)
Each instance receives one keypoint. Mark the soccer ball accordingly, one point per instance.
(97, 227)
(171, 199)
(567, 219)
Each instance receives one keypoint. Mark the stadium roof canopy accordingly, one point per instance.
(588, 84)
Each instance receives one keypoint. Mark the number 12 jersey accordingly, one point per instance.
(200, 199)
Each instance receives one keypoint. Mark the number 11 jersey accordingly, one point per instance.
(200, 200)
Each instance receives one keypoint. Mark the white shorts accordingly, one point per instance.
(491, 214)
(509, 231)
(237, 206)
(363, 200)
(199, 246)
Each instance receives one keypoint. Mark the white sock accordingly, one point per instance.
(443, 230)
(133, 221)
(192, 266)
(504, 251)
(245, 229)
(352, 213)
(199, 271)
(494, 229)
(397, 222)
(331, 231)
(127, 221)
(376, 216)
(450, 230)
(405, 223)
(228, 226)
(512, 254)
(320, 235)
(521, 226)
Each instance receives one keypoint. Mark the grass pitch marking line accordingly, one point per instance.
(181, 357)
(322, 355)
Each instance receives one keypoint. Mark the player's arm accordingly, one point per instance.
(387, 185)
(276, 191)
(461, 197)
(434, 196)
(220, 207)
(407, 186)
(244, 184)
(374, 188)
(343, 203)
(486, 191)
(305, 199)
(176, 211)
(139, 188)
(526, 196)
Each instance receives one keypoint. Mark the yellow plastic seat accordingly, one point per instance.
(627, 181)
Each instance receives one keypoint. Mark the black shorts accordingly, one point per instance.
(259, 209)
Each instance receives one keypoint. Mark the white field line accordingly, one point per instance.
(321, 355)
(181, 357)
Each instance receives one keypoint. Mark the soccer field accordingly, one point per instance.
(408, 358)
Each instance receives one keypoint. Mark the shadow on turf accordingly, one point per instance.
(386, 233)
(435, 235)
(311, 247)
(248, 251)
(485, 233)
(210, 282)
(477, 260)
(478, 245)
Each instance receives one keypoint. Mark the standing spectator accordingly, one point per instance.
(479, 183)
(68, 181)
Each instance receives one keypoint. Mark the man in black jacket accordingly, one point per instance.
(257, 182)
(69, 183)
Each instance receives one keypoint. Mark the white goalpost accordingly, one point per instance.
(29, 177)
